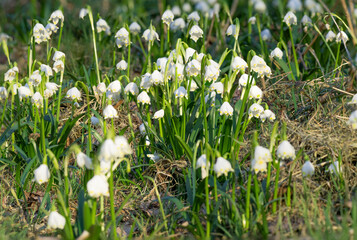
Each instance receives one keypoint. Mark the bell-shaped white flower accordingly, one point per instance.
(35, 78)
(217, 86)
(102, 26)
(3, 93)
(110, 112)
(294, 5)
(108, 151)
(42, 174)
(186, 7)
(177, 69)
(122, 65)
(232, 30)
(307, 169)
(83, 12)
(10, 75)
(353, 120)
(58, 66)
(114, 87)
(157, 78)
(144, 98)
(306, 20)
(276, 53)
(155, 157)
(252, 20)
(131, 88)
(211, 73)
(342, 36)
(56, 16)
(134, 28)
(40, 33)
(262, 153)
(222, 166)
(243, 80)
(176, 10)
(83, 160)
(150, 35)
(122, 38)
(58, 55)
(146, 81)
(74, 94)
(267, 114)
(167, 17)
(196, 33)
(330, 36)
(335, 168)
(226, 109)
(46, 69)
(258, 165)
(180, 92)
(204, 165)
(56, 221)
(255, 92)
(189, 53)
(266, 35)
(161, 63)
(193, 68)
(159, 114)
(24, 92)
(98, 186)
(37, 99)
(178, 24)
(101, 88)
(142, 129)
(123, 147)
(239, 64)
(255, 110)
(259, 66)
(51, 28)
(194, 16)
(285, 151)
(260, 6)
(193, 86)
(290, 19)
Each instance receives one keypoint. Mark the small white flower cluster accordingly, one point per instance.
(221, 167)
(341, 36)
(43, 34)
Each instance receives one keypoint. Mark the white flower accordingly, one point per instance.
(84, 160)
(226, 109)
(144, 98)
(194, 16)
(232, 31)
(210, 98)
(123, 147)
(353, 120)
(276, 53)
(35, 78)
(134, 28)
(267, 114)
(98, 186)
(196, 33)
(222, 166)
(142, 129)
(186, 7)
(51, 28)
(56, 221)
(10, 75)
(42, 174)
(180, 92)
(3, 93)
(122, 38)
(262, 153)
(193, 86)
(260, 6)
(150, 35)
(167, 17)
(243, 80)
(174, 69)
(94, 120)
(294, 5)
(239, 64)
(40, 33)
(74, 94)
(204, 165)
(101, 88)
(307, 169)
(202, 6)
(46, 69)
(58, 55)
(110, 112)
(56, 16)
(122, 65)
(266, 35)
(24, 92)
(159, 114)
(341, 36)
(4, 37)
(290, 19)
(146, 81)
(161, 63)
(83, 12)
(131, 88)
(147, 141)
(354, 99)
(259, 66)
(189, 53)
(37, 99)
(255, 92)
(255, 110)
(193, 68)
(217, 86)
(58, 66)
(108, 151)
(155, 157)
(285, 151)
(330, 36)
(258, 165)
(178, 24)
(157, 78)
(114, 87)
(306, 21)
(104, 167)
(252, 20)
(335, 168)
(211, 73)
(102, 26)
(176, 10)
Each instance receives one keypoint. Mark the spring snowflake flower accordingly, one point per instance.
(98, 186)
(150, 35)
(239, 64)
(146, 81)
(56, 16)
(354, 99)
(202, 6)
(294, 5)
(144, 98)
(243, 80)
(10, 75)
(157, 78)
(155, 157)
(178, 69)
(58, 55)
(40, 33)
(122, 38)
(285, 151)
(147, 141)
(262, 153)
(46, 69)
(35, 78)
(42, 174)
(122, 65)
(255, 110)
(56, 221)
(222, 166)
(259, 66)
(232, 31)
(290, 19)
(83, 160)
(167, 17)
(353, 120)
(159, 114)
(252, 20)
(134, 28)
(307, 169)
(161, 63)
(266, 35)
(178, 24)
(193, 68)
(102, 26)
(276, 53)
(122, 147)
(258, 166)
(217, 86)
(101, 88)
(306, 21)
(51, 28)
(58, 66)
(189, 53)
(131, 88)
(267, 114)
(24, 92)
(193, 86)
(74, 94)
(83, 12)
(194, 16)
(204, 165)
(37, 99)
(110, 112)
(342, 36)
(108, 151)
(186, 7)
(180, 92)
(335, 168)
(255, 92)
(211, 73)
(330, 36)
(114, 87)
(196, 33)
(3, 93)
(226, 109)
(94, 120)
(260, 6)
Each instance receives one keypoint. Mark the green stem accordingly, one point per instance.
(247, 200)
(112, 210)
(208, 224)
(294, 52)
(60, 36)
(276, 188)
(337, 59)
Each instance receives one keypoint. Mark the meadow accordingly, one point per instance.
(212, 119)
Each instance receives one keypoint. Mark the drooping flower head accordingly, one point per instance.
(222, 166)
